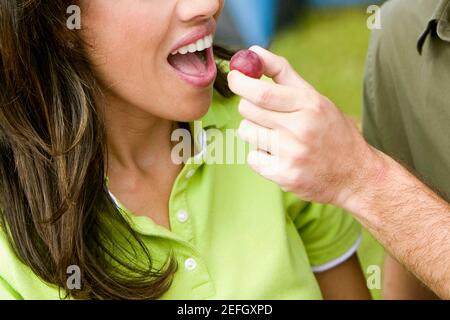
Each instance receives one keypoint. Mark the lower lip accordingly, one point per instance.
(205, 79)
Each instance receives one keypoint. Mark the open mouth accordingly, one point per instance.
(195, 61)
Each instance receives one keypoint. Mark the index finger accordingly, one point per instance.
(266, 95)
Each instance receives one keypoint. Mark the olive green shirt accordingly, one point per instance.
(407, 88)
(234, 234)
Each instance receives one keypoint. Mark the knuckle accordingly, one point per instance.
(297, 161)
(285, 66)
(309, 134)
(265, 96)
(294, 162)
(305, 133)
(299, 155)
(293, 178)
(283, 61)
(316, 102)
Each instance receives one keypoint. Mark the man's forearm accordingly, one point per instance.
(408, 218)
(400, 284)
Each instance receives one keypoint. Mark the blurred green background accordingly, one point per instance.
(328, 46)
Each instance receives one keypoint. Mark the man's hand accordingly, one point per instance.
(305, 144)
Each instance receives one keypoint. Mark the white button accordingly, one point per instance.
(182, 216)
(190, 264)
(190, 174)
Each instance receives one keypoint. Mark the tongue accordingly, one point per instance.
(189, 63)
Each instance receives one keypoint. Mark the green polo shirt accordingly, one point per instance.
(234, 234)
(407, 88)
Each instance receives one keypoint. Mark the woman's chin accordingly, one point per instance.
(195, 111)
(195, 115)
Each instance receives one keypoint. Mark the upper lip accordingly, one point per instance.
(198, 33)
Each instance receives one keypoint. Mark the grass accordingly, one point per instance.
(328, 48)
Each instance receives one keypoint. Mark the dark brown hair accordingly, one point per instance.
(56, 209)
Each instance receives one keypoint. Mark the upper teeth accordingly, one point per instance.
(200, 45)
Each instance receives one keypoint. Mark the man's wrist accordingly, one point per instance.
(368, 182)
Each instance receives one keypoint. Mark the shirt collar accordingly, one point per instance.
(218, 114)
(439, 23)
(217, 117)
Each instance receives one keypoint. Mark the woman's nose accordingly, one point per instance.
(189, 10)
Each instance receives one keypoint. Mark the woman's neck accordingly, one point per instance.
(140, 168)
(136, 140)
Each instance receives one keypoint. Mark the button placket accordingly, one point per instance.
(201, 142)
(202, 139)
(182, 218)
(197, 272)
(190, 174)
(180, 215)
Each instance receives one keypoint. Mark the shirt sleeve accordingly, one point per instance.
(383, 122)
(370, 111)
(329, 234)
(7, 292)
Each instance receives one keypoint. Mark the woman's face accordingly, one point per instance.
(150, 53)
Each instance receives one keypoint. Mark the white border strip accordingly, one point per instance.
(116, 202)
(340, 260)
